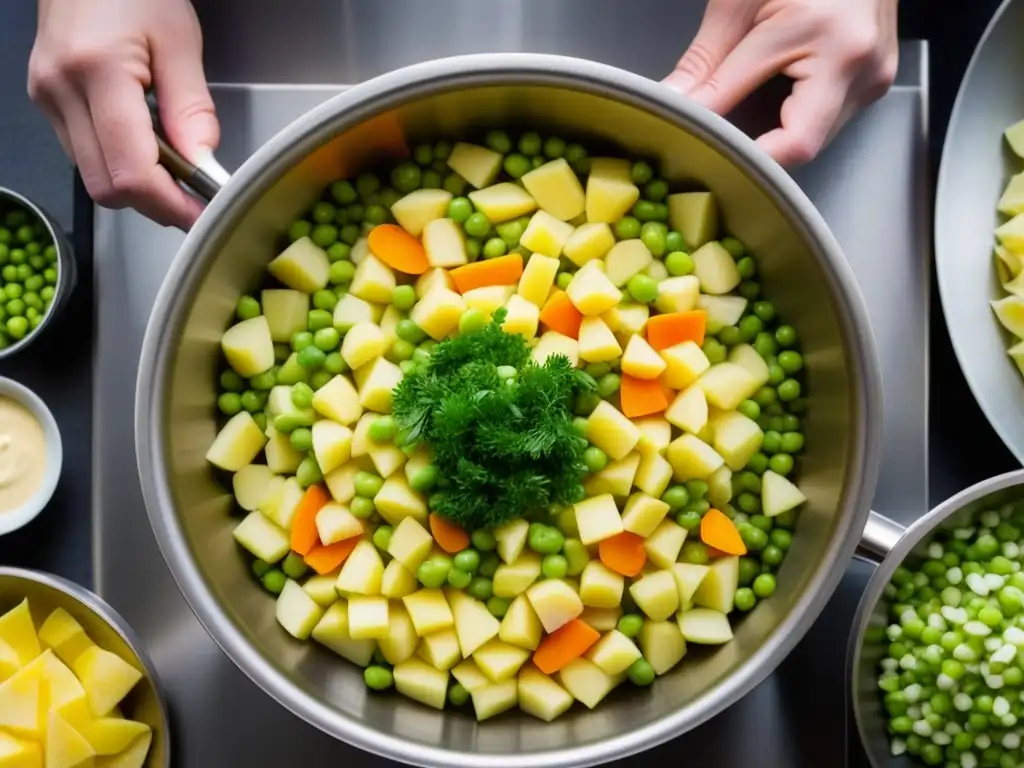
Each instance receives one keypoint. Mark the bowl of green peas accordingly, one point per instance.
(37, 271)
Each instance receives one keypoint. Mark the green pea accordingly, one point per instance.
(294, 566)
(530, 144)
(15, 308)
(433, 573)
(383, 429)
(630, 624)
(481, 588)
(431, 179)
(301, 339)
(744, 600)
(459, 579)
(642, 288)
(454, 185)
(498, 606)
(301, 395)
(645, 210)
(714, 350)
(349, 234)
(785, 335)
(403, 297)
(339, 252)
(302, 439)
(25, 270)
(229, 403)
(326, 340)
(334, 364)
(677, 497)
(656, 190)
(362, 507)
(248, 308)
(47, 292)
(595, 459)
(554, 147)
(781, 464)
(324, 235)
(586, 402)
(473, 248)
(467, 560)
(407, 330)
(678, 263)
(765, 397)
(367, 484)
(688, 520)
(764, 585)
(641, 172)
(789, 390)
(311, 357)
(273, 581)
(424, 478)
(640, 673)
(746, 267)
(695, 552)
(458, 696)
(18, 257)
(308, 472)
(544, 539)
(609, 384)
(577, 157)
(483, 540)
(554, 566)
(17, 327)
(627, 228)
(477, 225)
(10, 273)
(674, 242)
(494, 248)
(298, 230)
(343, 192)
(510, 232)
(260, 567)
(792, 442)
(517, 165)
(579, 425)
(378, 678)
(460, 209)
(499, 141)
(472, 320)
(231, 381)
(406, 177)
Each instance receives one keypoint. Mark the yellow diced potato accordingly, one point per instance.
(1011, 234)
(106, 677)
(410, 543)
(617, 478)
(23, 702)
(611, 431)
(500, 661)
(62, 633)
(420, 207)
(495, 698)
(262, 538)
(640, 360)
(287, 311)
(597, 518)
(694, 215)
(445, 246)
(692, 459)
(132, 757)
(474, 624)
(597, 344)
(664, 544)
(286, 504)
(19, 632)
(332, 444)
(15, 753)
(778, 495)
(335, 523)
(396, 500)
(705, 626)
(438, 313)
(421, 682)
(556, 189)
(656, 594)
(441, 649)
(362, 572)
(662, 644)
(363, 343)
(387, 459)
(715, 269)
(63, 690)
(718, 587)
(591, 292)
(554, 602)
(332, 631)
(685, 363)
(540, 696)
(429, 611)
(368, 617)
(511, 538)
(614, 653)
(110, 735)
(726, 385)
(610, 192)
(588, 242)
(360, 250)
(587, 682)
(655, 434)
(361, 442)
(653, 474)
(600, 586)
(632, 319)
(720, 487)
(401, 639)
(239, 442)
(469, 676)
(65, 747)
(251, 485)
(376, 390)
(397, 581)
(546, 235)
(643, 514)
(340, 483)
(477, 165)
(689, 409)
(351, 310)
(436, 277)
(389, 324)
(736, 438)
(657, 271)
(677, 294)
(303, 265)
(488, 299)
(282, 458)
(688, 577)
(511, 580)
(296, 611)
(503, 201)
(321, 589)
(520, 625)
(601, 619)
(373, 281)
(748, 357)
(553, 343)
(521, 317)
(625, 259)
(538, 278)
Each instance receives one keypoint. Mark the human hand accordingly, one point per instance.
(91, 65)
(840, 54)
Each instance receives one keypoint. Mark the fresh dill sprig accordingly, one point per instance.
(502, 448)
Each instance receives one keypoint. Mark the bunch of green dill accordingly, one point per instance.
(503, 448)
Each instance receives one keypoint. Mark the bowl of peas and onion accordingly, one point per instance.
(37, 271)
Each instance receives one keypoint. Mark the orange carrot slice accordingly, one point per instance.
(664, 331)
(560, 314)
(305, 535)
(449, 537)
(641, 397)
(565, 644)
(623, 553)
(398, 249)
(504, 270)
(718, 531)
(324, 558)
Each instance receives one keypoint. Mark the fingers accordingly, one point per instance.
(123, 131)
(724, 24)
(187, 113)
(810, 116)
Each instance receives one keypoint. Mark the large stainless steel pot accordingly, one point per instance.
(225, 254)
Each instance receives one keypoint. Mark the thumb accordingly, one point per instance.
(187, 113)
(723, 26)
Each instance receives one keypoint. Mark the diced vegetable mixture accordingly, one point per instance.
(512, 425)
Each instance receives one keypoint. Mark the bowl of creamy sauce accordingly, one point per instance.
(30, 455)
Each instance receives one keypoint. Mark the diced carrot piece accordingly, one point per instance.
(449, 537)
(719, 532)
(641, 397)
(664, 331)
(324, 558)
(305, 535)
(623, 553)
(565, 644)
(560, 314)
(398, 249)
(504, 270)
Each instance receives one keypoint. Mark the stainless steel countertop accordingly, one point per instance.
(871, 186)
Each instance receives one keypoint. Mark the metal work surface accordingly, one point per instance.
(871, 188)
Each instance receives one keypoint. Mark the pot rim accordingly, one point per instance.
(349, 109)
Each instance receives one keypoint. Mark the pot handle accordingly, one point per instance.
(205, 177)
(879, 537)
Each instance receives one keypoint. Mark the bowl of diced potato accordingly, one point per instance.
(75, 687)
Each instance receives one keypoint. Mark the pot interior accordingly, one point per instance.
(226, 256)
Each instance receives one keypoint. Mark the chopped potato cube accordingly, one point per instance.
(401, 640)
(556, 189)
(726, 385)
(340, 483)
(502, 202)
(286, 311)
(474, 624)
(303, 265)
(664, 544)
(610, 191)
(611, 431)
(410, 543)
(469, 676)
(587, 682)
(653, 474)
(779, 495)
(553, 343)
(106, 677)
(640, 360)
(477, 165)
(373, 281)
(351, 310)
(521, 626)
(522, 317)
(601, 587)
(62, 633)
(429, 611)
(335, 523)
(617, 478)
(541, 696)
(445, 246)
(362, 572)
(420, 207)
(488, 299)
(597, 518)
(332, 631)
(511, 538)
(381, 379)
(538, 278)
(662, 644)
(438, 312)
(500, 661)
(368, 617)
(441, 649)
(625, 259)
(332, 444)
(546, 235)
(591, 292)
(715, 269)
(677, 294)
(513, 579)
(737, 438)
(643, 514)
(493, 699)
(694, 215)
(554, 602)
(692, 459)
(588, 242)
(655, 433)
(398, 581)
(421, 682)
(248, 346)
(251, 485)
(656, 594)
(718, 587)
(705, 626)
(748, 357)
(689, 410)
(720, 487)
(239, 442)
(688, 577)
(614, 653)
(685, 363)
(363, 343)
(262, 538)
(396, 500)
(436, 277)
(597, 344)
(296, 611)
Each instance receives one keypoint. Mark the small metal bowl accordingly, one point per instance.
(46, 592)
(67, 272)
